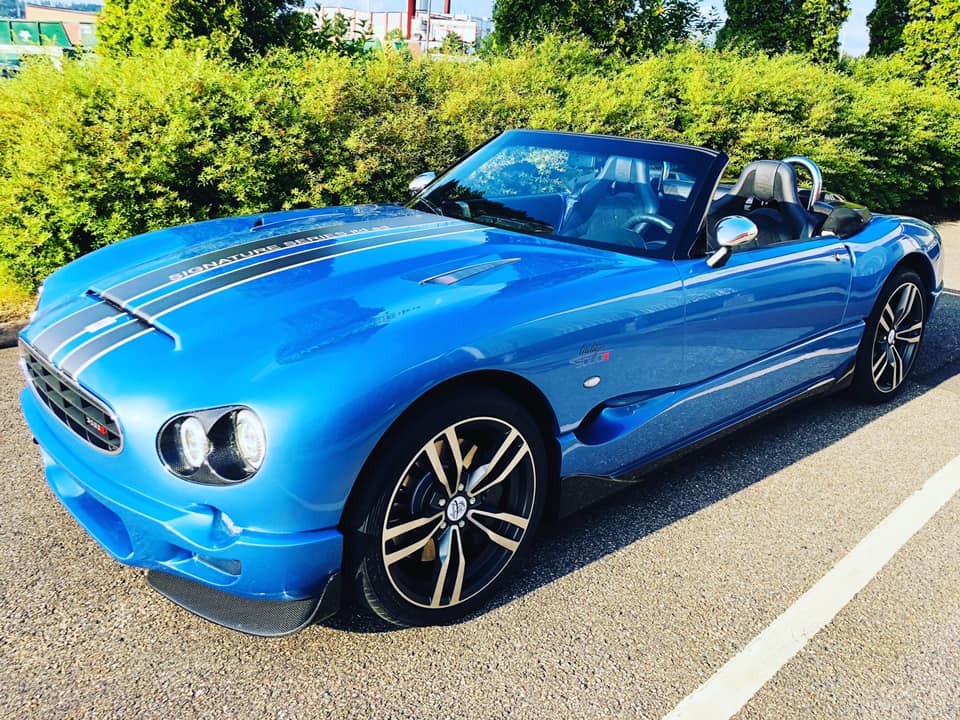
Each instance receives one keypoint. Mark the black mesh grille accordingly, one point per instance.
(74, 406)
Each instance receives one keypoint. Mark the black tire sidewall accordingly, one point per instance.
(863, 383)
(364, 515)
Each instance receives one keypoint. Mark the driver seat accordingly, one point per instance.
(780, 217)
(621, 190)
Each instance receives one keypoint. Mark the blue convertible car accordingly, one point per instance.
(272, 413)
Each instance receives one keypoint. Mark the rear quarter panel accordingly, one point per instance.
(885, 242)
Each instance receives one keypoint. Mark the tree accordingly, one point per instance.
(819, 28)
(931, 41)
(239, 28)
(453, 44)
(806, 26)
(625, 26)
(758, 26)
(886, 22)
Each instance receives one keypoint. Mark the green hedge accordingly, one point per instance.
(105, 149)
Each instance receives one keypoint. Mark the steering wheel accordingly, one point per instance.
(636, 221)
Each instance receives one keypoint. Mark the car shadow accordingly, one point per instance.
(633, 511)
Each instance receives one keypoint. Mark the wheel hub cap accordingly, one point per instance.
(456, 509)
(891, 337)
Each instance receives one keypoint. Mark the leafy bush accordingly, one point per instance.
(107, 149)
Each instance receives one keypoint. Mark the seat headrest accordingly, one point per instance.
(624, 170)
(768, 180)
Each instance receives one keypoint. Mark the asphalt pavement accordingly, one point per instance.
(621, 611)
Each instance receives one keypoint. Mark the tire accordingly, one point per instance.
(891, 338)
(470, 509)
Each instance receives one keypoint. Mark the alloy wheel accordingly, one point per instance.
(458, 512)
(897, 338)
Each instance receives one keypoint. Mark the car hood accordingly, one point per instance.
(291, 285)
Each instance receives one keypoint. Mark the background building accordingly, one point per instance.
(423, 25)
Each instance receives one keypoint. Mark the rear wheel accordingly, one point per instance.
(446, 508)
(891, 338)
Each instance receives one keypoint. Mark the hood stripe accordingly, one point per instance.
(84, 355)
(53, 338)
(90, 361)
(305, 262)
(67, 329)
(136, 287)
(370, 236)
(105, 341)
(183, 296)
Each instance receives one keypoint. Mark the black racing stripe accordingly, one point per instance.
(59, 332)
(157, 307)
(78, 357)
(141, 284)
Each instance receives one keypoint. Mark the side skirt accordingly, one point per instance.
(580, 491)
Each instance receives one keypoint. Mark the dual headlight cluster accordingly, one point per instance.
(220, 446)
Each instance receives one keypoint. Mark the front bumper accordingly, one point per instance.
(196, 543)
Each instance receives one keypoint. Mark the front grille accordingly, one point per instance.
(75, 407)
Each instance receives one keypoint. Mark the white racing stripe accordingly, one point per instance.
(732, 686)
(100, 354)
(312, 244)
(153, 317)
(273, 255)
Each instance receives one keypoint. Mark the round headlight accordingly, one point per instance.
(193, 441)
(251, 440)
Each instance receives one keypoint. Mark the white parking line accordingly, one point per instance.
(732, 686)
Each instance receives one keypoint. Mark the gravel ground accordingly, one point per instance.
(620, 612)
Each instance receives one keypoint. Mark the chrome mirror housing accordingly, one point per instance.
(420, 182)
(732, 232)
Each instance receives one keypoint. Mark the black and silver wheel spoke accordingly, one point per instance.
(407, 549)
(513, 447)
(448, 477)
(495, 537)
(910, 334)
(449, 552)
(880, 366)
(907, 299)
(447, 508)
(896, 364)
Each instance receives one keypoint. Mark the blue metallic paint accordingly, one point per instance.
(331, 353)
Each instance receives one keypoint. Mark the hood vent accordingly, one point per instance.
(139, 316)
(452, 277)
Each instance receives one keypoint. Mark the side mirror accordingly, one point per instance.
(732, 232)
(420, 182)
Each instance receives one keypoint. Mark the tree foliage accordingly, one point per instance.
(624, 26)
(777, 26)
(886, 22)
(453, 44)
(931, 41)
(238, 28)
(96, 152)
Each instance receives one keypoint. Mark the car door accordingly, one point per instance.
(763, 326)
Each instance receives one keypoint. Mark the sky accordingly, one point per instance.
(854, 39)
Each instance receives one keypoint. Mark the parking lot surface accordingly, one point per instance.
(621, 611)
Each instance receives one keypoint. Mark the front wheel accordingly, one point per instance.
(891, 338)
(446, 508)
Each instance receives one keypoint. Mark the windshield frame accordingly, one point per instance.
(710, 164)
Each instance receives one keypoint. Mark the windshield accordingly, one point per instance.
(627, 195)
